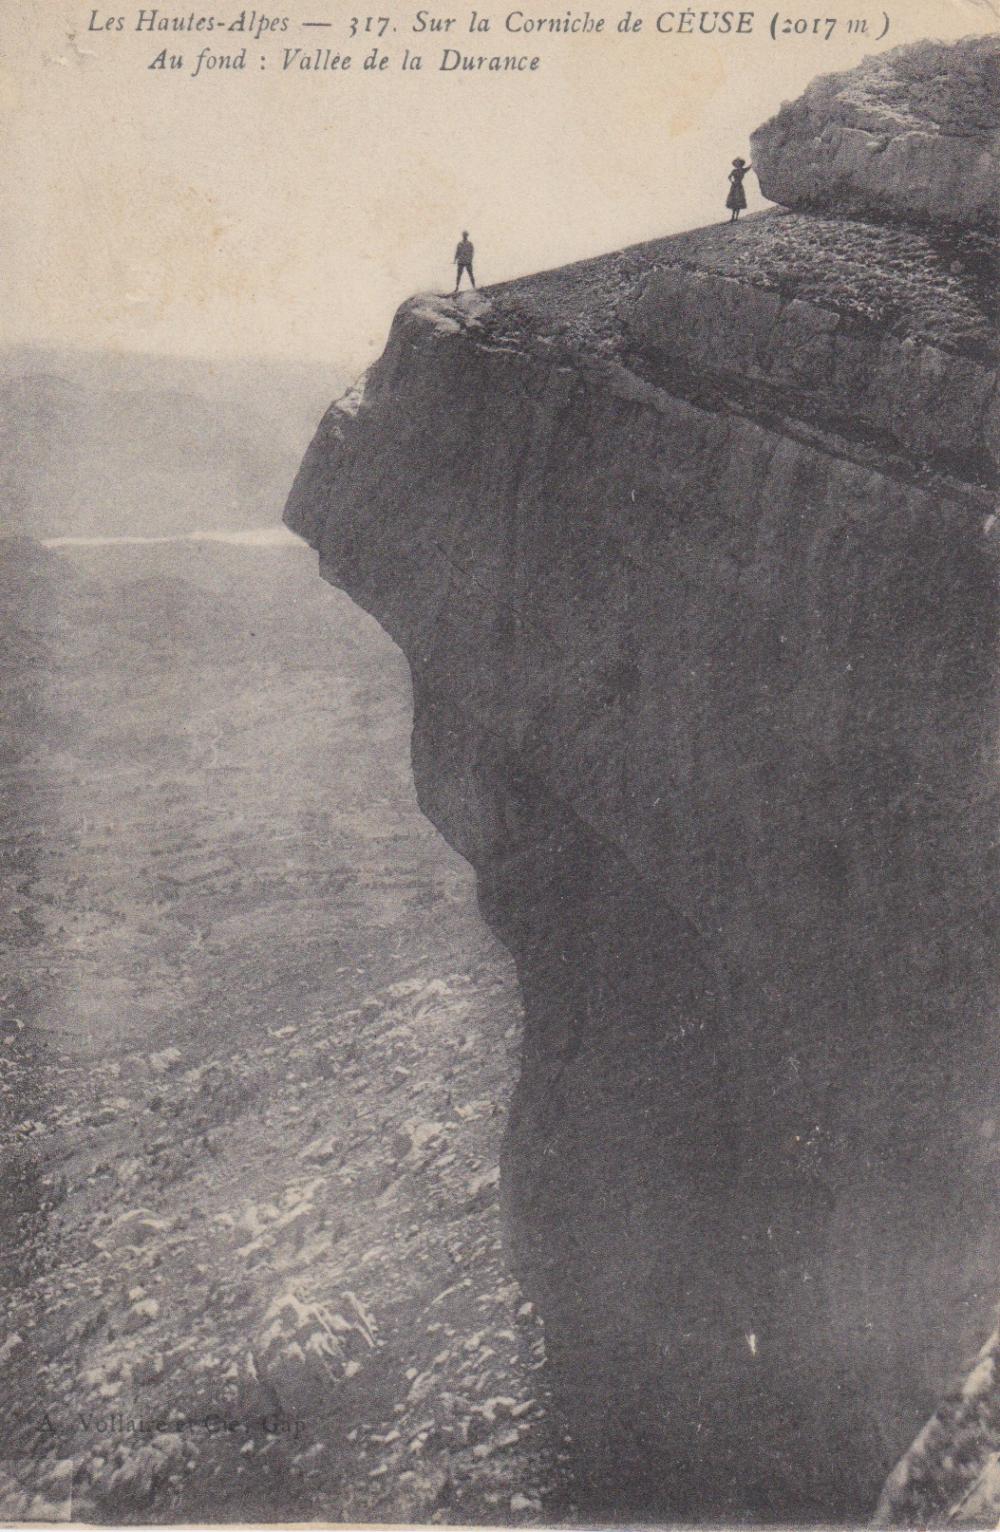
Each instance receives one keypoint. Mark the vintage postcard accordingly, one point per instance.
(500, 657)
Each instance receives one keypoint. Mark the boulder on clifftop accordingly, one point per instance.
(912, 134)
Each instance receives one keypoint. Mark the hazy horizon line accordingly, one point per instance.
(234, 358)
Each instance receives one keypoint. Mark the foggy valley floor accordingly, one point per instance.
(258, 1047)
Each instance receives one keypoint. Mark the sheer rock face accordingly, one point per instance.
(913, 134)
(705, 667)
(910, 396)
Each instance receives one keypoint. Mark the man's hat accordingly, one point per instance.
(738, 161)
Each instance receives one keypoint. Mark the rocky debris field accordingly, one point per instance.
(257, 1053)
(272, 1281)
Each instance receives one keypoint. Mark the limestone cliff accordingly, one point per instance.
(692, 553)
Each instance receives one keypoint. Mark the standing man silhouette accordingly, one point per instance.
(463, 259)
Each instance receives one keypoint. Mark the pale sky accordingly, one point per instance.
(288, 213)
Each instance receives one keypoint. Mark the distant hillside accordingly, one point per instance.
(127, 608)
(147, 445)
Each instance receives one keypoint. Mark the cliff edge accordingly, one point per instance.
(692, 551)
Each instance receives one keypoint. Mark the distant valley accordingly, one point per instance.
(257, 1043)
(147, 445)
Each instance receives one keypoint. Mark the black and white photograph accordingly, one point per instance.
(500, 722)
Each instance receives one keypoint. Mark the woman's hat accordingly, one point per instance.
(738, 161)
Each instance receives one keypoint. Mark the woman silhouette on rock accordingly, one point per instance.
(737, 199)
